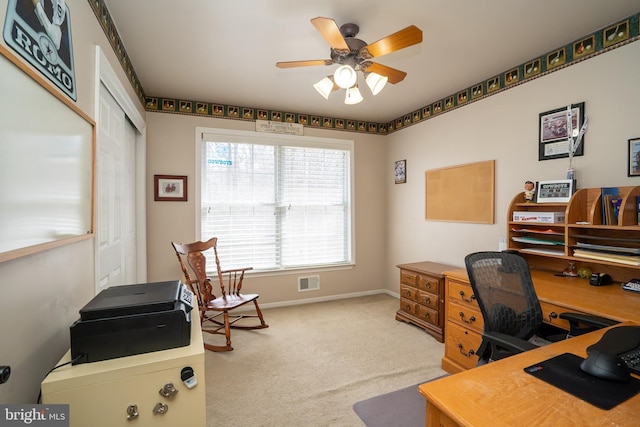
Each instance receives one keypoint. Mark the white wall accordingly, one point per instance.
(171, 151)
(42, 293)
(504, 127)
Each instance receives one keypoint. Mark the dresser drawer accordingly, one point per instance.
(465, 316)
(408, 278)
(427, 314)
(408, 292)
(408, 306)
(461, 345)
(461, 293)
(428, 284)
(428, 299)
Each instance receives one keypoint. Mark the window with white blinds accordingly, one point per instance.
(276, 202)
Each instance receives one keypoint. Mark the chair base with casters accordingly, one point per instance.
(503, 288)
(217, 314)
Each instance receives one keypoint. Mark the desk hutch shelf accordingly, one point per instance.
(550, 246)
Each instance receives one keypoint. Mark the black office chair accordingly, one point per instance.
(502, 286)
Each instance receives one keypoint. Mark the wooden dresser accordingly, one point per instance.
(422, 296)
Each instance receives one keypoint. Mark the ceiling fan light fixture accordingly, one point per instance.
(324, 86)
(376, 82)
(353, 96)
(345, 76)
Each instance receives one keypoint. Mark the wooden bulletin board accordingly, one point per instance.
(463, 193)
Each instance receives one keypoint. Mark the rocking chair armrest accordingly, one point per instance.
(236, 270)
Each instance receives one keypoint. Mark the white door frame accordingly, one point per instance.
(106, 75)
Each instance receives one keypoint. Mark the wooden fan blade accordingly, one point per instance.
(310, 63)
(328, 28)
(396, 41)
(394, 76)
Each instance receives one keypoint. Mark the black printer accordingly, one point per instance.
(132, 319)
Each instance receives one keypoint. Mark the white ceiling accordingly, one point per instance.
(224, 51)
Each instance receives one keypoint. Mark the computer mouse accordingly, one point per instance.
(606, 366)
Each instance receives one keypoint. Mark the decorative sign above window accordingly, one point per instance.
(279, 127)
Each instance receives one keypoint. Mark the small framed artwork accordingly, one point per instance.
(170, 188)
(185, 106)
(558, 191)
(400, 171)
(532, 68)
(634, 157)
(553, 129)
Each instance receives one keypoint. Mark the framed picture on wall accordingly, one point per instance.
(553, 128)
(634, 157)
(169, 188)
(400, 171)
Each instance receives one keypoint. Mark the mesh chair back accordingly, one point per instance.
(502, 285)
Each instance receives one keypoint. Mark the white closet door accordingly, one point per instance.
(115, 191)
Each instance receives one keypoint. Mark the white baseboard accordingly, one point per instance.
(328, 298)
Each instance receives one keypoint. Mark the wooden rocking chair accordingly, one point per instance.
(210, 306)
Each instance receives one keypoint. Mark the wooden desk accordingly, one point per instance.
(557, 294)
(502, 394)
(575, 293)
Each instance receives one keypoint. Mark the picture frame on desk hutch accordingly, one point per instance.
(557, 191)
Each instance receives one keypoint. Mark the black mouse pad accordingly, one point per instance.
(564, 372)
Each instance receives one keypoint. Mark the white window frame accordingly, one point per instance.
(260, 137)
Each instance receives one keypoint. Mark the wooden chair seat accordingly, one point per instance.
(230, 301)
(213, 307)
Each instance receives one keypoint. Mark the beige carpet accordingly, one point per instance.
(314, 362)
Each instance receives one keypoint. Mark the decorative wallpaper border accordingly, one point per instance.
(613, 36)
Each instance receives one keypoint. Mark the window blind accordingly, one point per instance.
(276, 204)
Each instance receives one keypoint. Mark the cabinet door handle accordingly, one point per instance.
(553, 315)
(470, 321)
(468, 353)
(471, 298)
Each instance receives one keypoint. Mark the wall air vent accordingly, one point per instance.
(308, 283)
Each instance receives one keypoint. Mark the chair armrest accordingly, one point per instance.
(236, 270)
(590, 323)
(508, 342)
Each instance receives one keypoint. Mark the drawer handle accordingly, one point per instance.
(553, 315)
(467, 354)
(408, 292)
(428, 285)
(470, 321)
(427, 300)
(471, 299)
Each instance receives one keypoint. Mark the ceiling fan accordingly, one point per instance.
(353, 54)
